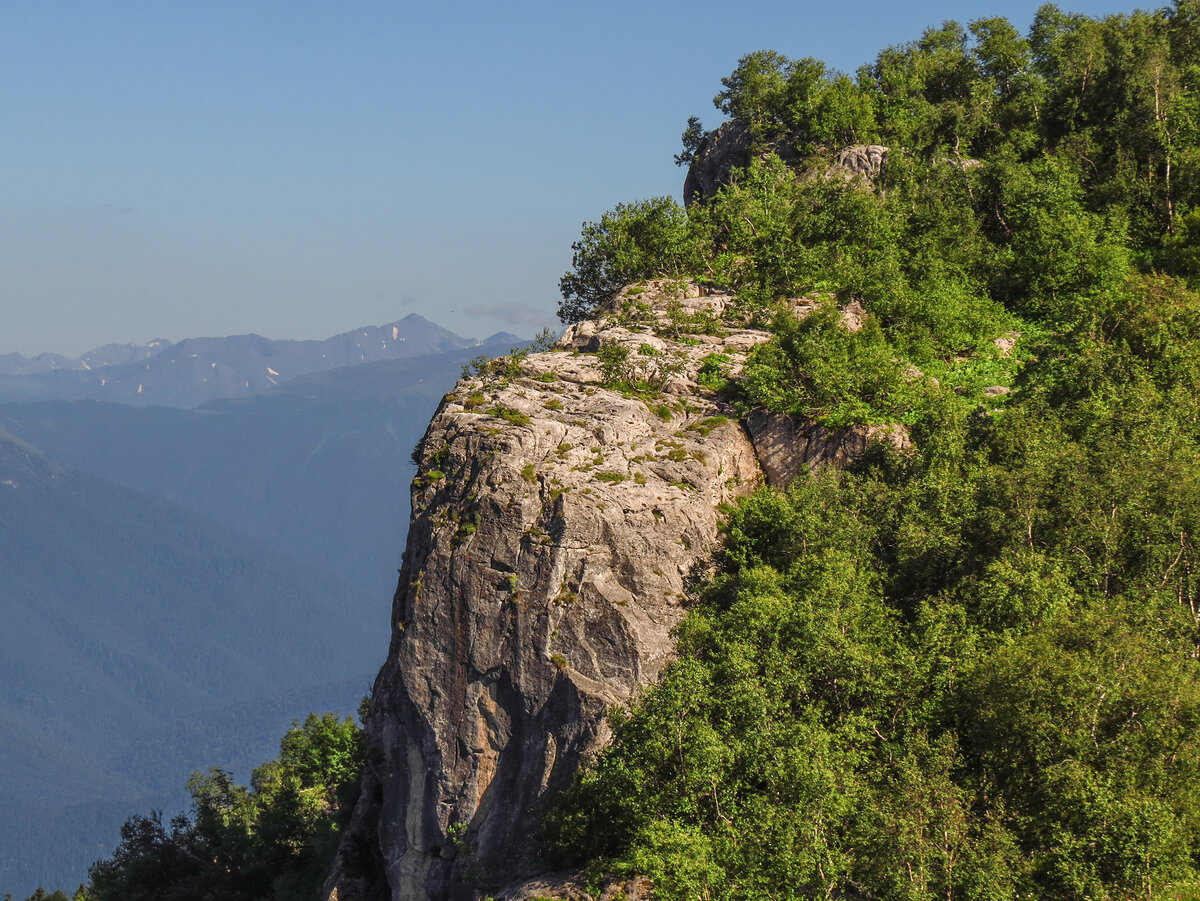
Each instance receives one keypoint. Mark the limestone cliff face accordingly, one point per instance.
(555, 525)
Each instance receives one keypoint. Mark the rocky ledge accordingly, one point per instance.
(562, 503)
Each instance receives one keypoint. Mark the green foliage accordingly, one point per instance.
(508, 414)
(271, 840)
(713, 371)
(968, 671)
(693, 137)
(543, 341)
(642, 374)
(1027, 175)
(814, 107)
(818, 368)
(640, 240)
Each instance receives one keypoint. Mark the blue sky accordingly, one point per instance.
(297, 169)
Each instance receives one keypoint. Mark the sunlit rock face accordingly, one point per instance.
(556, 523)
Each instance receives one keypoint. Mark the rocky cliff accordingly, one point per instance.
(557, 517)
(732, 146)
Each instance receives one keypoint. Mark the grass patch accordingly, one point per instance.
(509, 415)
(704, 426)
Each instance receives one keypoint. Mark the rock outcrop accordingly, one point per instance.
(557, 520)
(555, 525)
(859, 161)
(788, 445)
(733, 144)
(722, 150)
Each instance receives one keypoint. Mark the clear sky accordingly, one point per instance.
(176, 168)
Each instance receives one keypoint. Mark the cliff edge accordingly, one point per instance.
(562, 502)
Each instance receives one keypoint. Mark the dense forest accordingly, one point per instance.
(966, 670)
(970, 669)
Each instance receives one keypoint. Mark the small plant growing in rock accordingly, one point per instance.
(614, 362)
(704, 426)
(509, 415)
(543, 341)
(713, 373)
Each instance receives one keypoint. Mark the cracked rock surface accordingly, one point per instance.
(555, 525)
(563, 501)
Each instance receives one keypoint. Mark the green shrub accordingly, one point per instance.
(640, 240)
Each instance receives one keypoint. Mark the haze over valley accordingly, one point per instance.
(190, 567)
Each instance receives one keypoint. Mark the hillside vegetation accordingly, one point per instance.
(965, 669)
(970, 669)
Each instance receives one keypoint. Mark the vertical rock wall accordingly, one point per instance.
(555, 524)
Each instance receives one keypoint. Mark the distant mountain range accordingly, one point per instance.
(179, 583)
(317, 468)
(120, 615)
(198, 370)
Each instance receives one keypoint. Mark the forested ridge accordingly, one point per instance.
(968, 669)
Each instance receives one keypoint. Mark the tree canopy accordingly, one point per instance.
(273, 839)
(969, 670)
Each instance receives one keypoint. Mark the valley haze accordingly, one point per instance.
(191, 566)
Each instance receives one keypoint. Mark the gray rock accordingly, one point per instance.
(787, 445)
(556, 525)
(853, 316)
(1007, 343)
(859, 161)
(723, 149)
(732, 145)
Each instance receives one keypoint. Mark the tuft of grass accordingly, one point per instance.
(704, 426)
(662, 411)
(509, 415)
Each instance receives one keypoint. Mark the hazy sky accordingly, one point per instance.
(174, 168)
